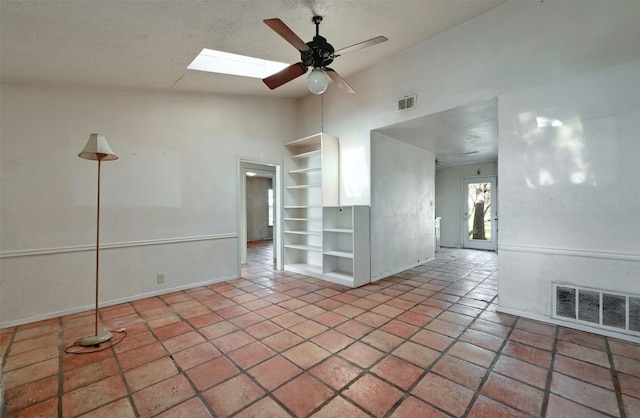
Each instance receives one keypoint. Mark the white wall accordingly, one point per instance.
(449, 204)
(402, 212)
(570, 200)
(169, 204)
(516, 45)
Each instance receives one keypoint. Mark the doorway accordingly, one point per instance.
(259, 210)
(480, 219)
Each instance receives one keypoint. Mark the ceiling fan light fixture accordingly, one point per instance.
(317, 82)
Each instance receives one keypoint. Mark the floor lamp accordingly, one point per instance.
(97, 149)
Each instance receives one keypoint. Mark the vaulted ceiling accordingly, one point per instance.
(148, 44)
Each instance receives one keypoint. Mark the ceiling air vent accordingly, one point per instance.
(407, 103)
(597, 308)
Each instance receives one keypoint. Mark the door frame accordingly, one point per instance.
(477, 244)
(243, 164)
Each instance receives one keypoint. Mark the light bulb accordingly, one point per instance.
(317, 81)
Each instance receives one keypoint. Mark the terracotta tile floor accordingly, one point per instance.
(426, 342)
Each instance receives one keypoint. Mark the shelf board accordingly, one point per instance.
(304, 247)
(305, 142)
(304, 268)
(340, 230)
(342, 254)
(300, 219)
(341, 277)
(307, 154)
(304, 186)
(303, 232)
(302, 207)
(305, 170)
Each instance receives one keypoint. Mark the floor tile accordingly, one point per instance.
(251, 354)
(332, 341)
(89, 397)
(561, 407)
(306, 355)
(162, 396)
(282, 340)
(585, 393)
(29, 395)
(631, 405)
(477, 355)
(212, 372)
(195, 355)
(584, 371)
(382, 340)
(373, 394)
(629, 385)
(182, 341)
(460, 371)
(121, 408)
(485, 407)
(627, 365)
(233, 395)
(303, 394)
(45, 409)
(194, 407)
(265, 407)
(417, 354)
(232, 341)
(432, 339)
(339, 407)
(413, 407)
(274, 372)
(522, 371)
(91, 373)
(513, 393)
(582, 353)
(527, 353)
(150, 373)
(624, 349)
(397, 371)
(443, 393)
(361, 354)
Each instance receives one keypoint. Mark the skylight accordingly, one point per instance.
(226, 63)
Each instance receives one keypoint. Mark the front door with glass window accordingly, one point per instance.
(479, 213)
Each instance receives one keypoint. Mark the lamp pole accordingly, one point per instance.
(97, 149)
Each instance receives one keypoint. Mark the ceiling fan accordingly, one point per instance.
(317, 54)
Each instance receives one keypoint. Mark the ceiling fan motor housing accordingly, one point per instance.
(320, 54)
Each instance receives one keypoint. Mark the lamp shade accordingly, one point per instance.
(98, 149)
(317, 81)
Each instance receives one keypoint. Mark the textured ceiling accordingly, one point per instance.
(148, 44)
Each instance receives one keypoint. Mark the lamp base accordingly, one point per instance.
(95, 340)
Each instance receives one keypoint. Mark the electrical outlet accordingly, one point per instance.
(160, 277)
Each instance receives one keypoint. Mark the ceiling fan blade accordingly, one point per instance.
(338, 80)
(364, 44)
(283, 30)
(286, 75)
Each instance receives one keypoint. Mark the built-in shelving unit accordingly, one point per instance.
(311, 181)
(346, 243)
(321, 238)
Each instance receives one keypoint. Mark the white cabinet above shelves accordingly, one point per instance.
(321, 238)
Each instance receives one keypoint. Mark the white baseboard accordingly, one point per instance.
(112, 302)
(549, 320)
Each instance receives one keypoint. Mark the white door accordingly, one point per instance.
(480, 218)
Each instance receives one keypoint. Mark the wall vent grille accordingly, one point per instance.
(597, 308)
(407, 103)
